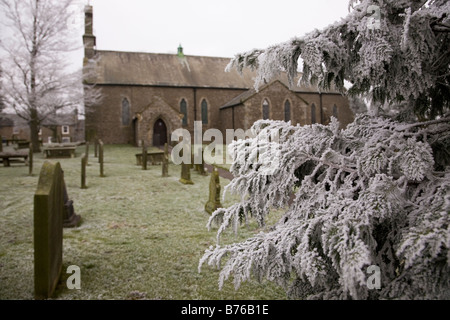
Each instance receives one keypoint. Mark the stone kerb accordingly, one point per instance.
(48, 229)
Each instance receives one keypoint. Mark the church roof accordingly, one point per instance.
(137, 68)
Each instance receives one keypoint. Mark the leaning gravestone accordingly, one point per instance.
(48, 229)
(214, 193)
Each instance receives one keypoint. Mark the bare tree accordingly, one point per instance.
(36, 80)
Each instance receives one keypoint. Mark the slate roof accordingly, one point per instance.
(157, 69)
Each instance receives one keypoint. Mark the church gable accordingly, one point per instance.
(156, 111)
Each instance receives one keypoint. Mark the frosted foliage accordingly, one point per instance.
(373, 194)
(364, 195)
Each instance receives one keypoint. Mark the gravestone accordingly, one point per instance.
(48, 229)
(87, 153)
(165, 162)
(70, 219)
(95, 147)
(200, 167)
(186, 174)
(83, 171)
(144, 155)
(100, 157)
(30, 159)
(1, 144)
(214, 193)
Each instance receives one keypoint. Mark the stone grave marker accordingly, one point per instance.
(214, 192)
(95, 147)
(186, 174)
(100, 157)
(165, 162)
(70, 219)
(87, 153)
(144, 155)
(30, 159)
(48, 229)
(83, 171)
(200, 167)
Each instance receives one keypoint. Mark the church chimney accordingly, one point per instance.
(88, 37)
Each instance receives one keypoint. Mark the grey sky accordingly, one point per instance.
(208, 27)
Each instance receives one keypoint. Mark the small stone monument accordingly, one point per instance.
(30, 159)
(71, 219)
(100, 157)
(83, 171)
(165, 162)
(186, 174)
(144, 156)
(214, 193)
(200, 167)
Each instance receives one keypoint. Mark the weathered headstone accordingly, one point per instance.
(144, 155)
(200, 167)
(48, 229)
(100, 157)
(186, 174)
(214, 193)
(165, 162)
(95, 147)
(70, 219)
(30, 159)
(83, 171)
(87, 153)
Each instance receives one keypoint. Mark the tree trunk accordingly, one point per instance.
(34, 131)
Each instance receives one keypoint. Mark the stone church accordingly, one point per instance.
(146, 96)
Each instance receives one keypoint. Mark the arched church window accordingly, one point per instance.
(204, 112)
(313, 113)
(183, 111)
(287, 110)
(265, 109)
(125, 112)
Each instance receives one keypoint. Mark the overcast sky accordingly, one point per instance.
(208, 27)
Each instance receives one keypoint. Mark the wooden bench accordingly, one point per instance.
(155, 157)
(6, 157)
(59, 151)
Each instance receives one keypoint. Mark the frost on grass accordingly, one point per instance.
(366, 195)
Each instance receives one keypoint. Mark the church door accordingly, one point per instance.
(159, 133)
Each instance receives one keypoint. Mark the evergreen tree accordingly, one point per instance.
(372, 196)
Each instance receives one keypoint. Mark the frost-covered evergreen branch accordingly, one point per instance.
(390, 211)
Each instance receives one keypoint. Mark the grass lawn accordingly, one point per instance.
(141, 237)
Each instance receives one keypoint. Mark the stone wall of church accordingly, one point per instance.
(106, 123)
